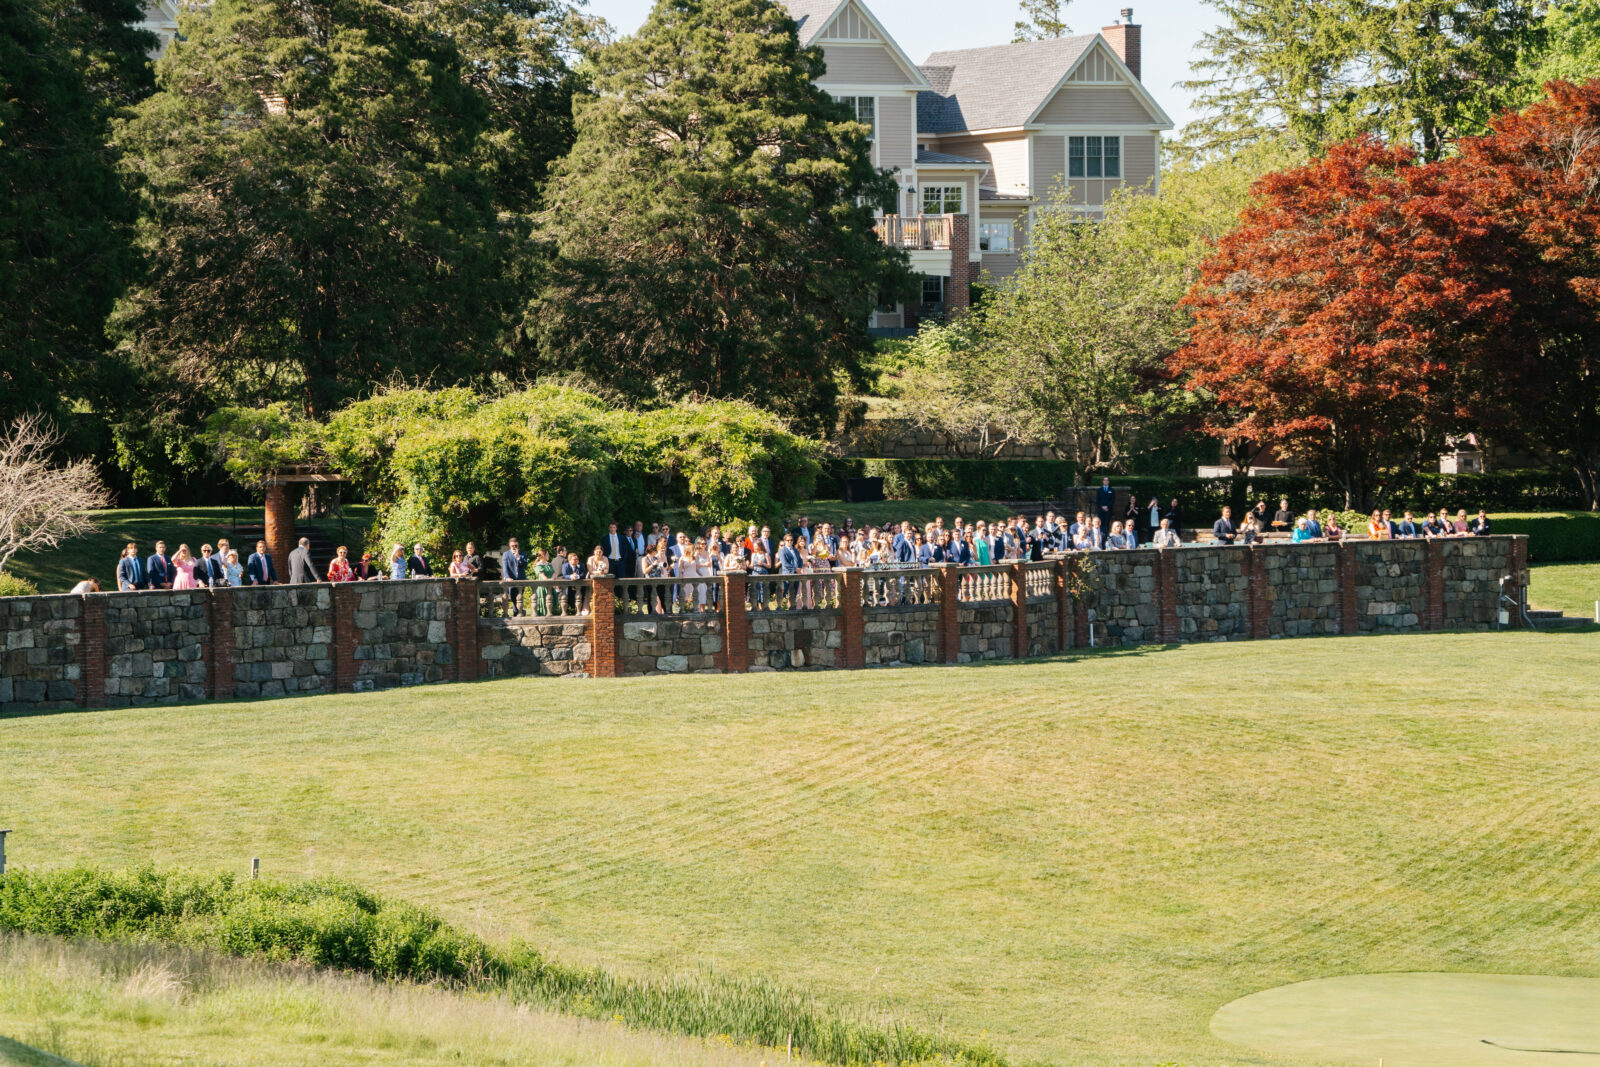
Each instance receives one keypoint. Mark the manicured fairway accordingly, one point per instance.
(1571, 587)
(1082, 858)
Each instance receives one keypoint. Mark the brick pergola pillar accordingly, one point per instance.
(958, 290)
(92, 652)
(219, 660)
(1019, 610)
(1433, 577)
(1257, 607)
(1167, 596)
(735, 656)
(949, 612)
(346, 638)
(464, 623)
(603, 629)
(279, 530)
(1349, 620)
(852, 622)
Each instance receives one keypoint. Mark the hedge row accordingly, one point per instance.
(329, 923)
(1556, 538)
(1029, 479)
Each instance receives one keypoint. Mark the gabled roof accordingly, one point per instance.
(995, 87)
(1007, 85)
(811, 15)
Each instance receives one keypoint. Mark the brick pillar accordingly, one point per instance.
(464, 624)
(852, 642)
(219, 661)
(603, 629)
(1019, 610)
(1517, 555)
(735, 655)
(1167, 596)
(1433, 571)
(279, 530)
(1349, 621)
(1256, 604)
(1062, 588)
(1080, 610)
(92, 652)
(958, 290)
(346, 637)
(949, 612)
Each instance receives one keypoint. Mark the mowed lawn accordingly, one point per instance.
(1571, 587)
(1077, 859)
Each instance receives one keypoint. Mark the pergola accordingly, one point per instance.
(279, 520)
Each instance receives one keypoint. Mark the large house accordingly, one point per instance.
(978, 138)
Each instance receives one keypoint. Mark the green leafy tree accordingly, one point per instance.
(1569, 49)
(66, 227)
(1043, 19)
(710, 228)
(331, 197)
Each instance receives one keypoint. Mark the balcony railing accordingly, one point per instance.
(916, 231)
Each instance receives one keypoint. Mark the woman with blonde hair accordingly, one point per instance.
(183, 568)
(397, 562)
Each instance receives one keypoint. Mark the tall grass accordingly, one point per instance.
(330, 923)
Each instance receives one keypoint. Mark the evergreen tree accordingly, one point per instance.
(336, 196)
(66, 67)
(1569, 48)
(710, 227)
(1043, 20)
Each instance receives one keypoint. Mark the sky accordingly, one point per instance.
(1172, 28)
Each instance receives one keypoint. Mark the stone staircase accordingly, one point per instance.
(1554, 619)
(322, 546)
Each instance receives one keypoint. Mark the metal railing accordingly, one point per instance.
(547, 598)
(920, 232)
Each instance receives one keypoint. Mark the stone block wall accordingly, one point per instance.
(675, 644)
(405, 634)
(1390, 587)
(900, 635)
(794, 640)
(1209, 594)
(1302, 589)
(985, 631)
(155, 647)
(1043, 634)
(1121, 599)
(39, 639)
(1477, 563)
(512, 648)
(282, 639)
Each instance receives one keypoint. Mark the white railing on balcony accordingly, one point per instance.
(916, 231)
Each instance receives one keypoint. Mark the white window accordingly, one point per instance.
(866, 109)
(1094, 157)
(941, 199)
(932, 291)
(994, 236)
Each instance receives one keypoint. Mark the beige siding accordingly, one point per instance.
(849, 25)
(1077, 104)
(1138, 159)
(1049, 162)
(861, 65)
(895, 147)
(1007, 158)
(1000, 265)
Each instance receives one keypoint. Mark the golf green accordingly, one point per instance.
(1422, 1020)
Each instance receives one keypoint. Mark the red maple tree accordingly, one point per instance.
(1331, 323)
(1537, 175)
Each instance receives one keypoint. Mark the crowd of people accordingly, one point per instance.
(675, 566)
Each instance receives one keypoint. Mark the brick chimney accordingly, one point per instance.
(1123, 37)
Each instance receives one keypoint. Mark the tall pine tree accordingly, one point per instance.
(710, 228)
(1044, 20)
(66, 228)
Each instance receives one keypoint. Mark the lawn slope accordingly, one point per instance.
(1078, 859)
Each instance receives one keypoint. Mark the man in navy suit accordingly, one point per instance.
(619, 552)
(514, 568)
(130, 570)
(1105, 502)
(1222, 530)
(158, 568)
(208, 569)
(789, 563)
(260, 568)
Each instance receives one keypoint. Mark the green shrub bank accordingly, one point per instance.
(1573, 537)
(329, 923)
(11, 585)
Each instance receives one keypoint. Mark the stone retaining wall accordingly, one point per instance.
(162, 647)
(900, 635)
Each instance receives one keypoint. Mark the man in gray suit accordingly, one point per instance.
(301, 569)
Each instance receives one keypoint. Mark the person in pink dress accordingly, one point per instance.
(183, 569)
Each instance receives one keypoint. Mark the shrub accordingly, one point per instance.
(1555, 538)
(11, 585)
(330, 923)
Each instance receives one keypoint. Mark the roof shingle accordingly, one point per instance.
(994, 87)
